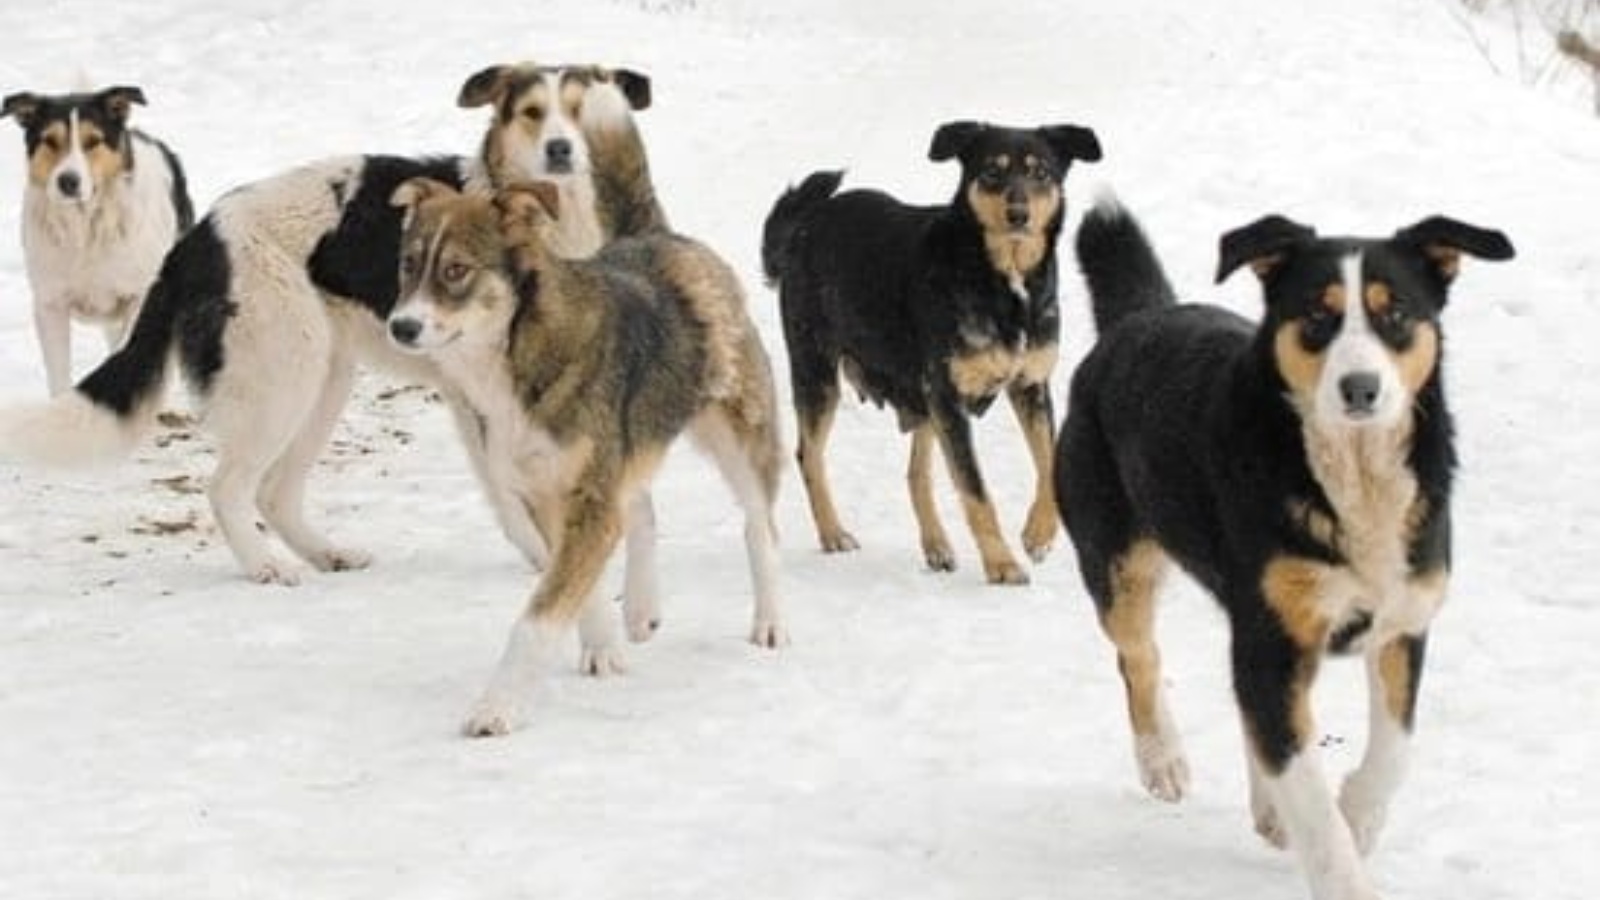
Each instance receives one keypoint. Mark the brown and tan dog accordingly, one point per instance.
(582, 373)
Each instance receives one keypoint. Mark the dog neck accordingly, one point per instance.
(103, 218)
(1366, 475)
(1015, 256)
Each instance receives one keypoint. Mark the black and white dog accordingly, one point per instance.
(1299, 469)
(270, 302)
(102, 205)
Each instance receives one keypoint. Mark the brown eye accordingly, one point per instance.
(91, 144)
(408, 265)
(52, 143)
(454, 272)
(533, 113)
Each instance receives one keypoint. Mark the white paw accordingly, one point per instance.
(642, 618)
(602, 662)
(341, 559)
(769, 634)
(273, 571)
(1364, 813)
(495, 716)
(1267, 823)
(1162, 767)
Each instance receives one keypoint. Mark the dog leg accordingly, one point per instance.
(816, 420)
(748, 458)
(600, 649)
(591, 529)
(1262, 811)
(282, 494)
(1129, 621)
(53, 326)
(936, 547)
(1394, 673)
(516, 520)
(641, 604)
(955, 437)
(1036, 415)
(241, 465)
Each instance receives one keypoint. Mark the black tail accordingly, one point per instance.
(786, 214)
(1117, 261)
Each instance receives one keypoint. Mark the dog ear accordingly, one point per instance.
(485, 87)
(527, 204)
(119, 101)
(1264, 244)
(953, 138)
(634, 85)
(1442, 240)
(23, 106)
(413, 192)
(1072, 142)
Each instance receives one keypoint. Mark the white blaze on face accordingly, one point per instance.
(73, 163)
(421, 308)
(1357, 355)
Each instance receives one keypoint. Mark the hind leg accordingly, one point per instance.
(242, 464)
(936, 549)
(641, 603)
(814, 377)
(282, 494)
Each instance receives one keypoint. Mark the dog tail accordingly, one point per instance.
(625, 195)
(1117, 261)
(104, 417)
(795, 204)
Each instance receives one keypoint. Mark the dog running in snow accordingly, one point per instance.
(1299, 469)
(271, 301)
(582, 373)
(102, 205)
(936, 311)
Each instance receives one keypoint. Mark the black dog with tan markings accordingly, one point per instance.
(936, 311)
(580, 374)
(1298, 469)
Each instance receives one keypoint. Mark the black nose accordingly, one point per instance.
(69, 182)
(405, 331)
(1360, 391)
(559, 152)
(1016, 216)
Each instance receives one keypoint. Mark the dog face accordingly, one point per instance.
(460, 279)
(1011, 177)
(76, 143)
(539, 110)
(1354, 323)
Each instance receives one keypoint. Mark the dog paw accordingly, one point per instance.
(493, 718)
(602, 662)
(1005, 571)
(1268, 825)
(345, 559)
(840, 541)
(770, 635)
(273, 571)
(1162, 768)
(641, 618)
(1039, 535)
(940, 556)
(1364, 812)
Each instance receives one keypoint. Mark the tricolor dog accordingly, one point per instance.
(1299, 469)
(581, 373)
(103, 203)
(935, 311)
(270, 302)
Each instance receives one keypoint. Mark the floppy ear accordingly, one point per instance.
(527, 204)
(118, 101)
(1263, 244)
(413, 192)
(953, 138)
(634, 85)
(23, 106)
(1072, 142)
(1442, 240)
(484, 87)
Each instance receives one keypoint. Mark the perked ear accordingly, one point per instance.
(119, 101)
(527, 204)
(23, 106)
(484, 87)
(634, 85)
(1264, 244)
(953, 138)
(1442, 240)
(1072, 142)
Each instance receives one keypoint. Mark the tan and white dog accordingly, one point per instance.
(102, 205)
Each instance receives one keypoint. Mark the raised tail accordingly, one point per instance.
(786, 214)
(1121, 268)
(625, 195)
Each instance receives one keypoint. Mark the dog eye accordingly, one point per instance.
(533, 113)
(454, 272)
(1318, 326)
(52, 143)
(992, 177)
(92, 144)
(1393, 318)
(408, 265)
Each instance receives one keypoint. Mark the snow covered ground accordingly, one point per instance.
(168, 730)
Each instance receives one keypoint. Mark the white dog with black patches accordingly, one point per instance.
(102, 205)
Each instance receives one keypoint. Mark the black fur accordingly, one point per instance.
(360, 259)
(182, 205)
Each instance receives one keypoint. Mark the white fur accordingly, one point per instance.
(1316, 830)
(91, 258)
(67, 431)
(1357, 349)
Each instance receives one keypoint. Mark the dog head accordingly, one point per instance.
(540, 113)
(1353, 323)
(467, 261)
(76, 143)
(1011, 177)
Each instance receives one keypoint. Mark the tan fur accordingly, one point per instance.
(1130, 624)
(936, 547)
(1293, 589)
(1014, 253)
(1301, 369)
(813, 443)
(1418, 361)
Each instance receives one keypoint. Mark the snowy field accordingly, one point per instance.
(168, 730)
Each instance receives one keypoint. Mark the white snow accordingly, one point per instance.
(169, 730)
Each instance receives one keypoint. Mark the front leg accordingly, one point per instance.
(955, 438)
(1394, 674)
(53, 326)
(1036, 414)
(516, 518)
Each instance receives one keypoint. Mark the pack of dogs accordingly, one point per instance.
(1297, 467)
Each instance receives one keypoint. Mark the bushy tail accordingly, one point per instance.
(625, 195)
(1117, 261)
(786, 214)
(105, 415)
